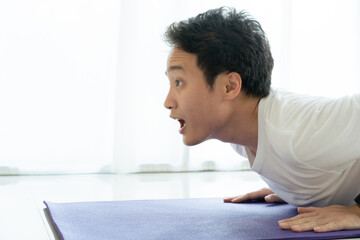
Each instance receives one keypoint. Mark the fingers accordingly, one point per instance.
(236, 199)
(260, 194)
(297, 226)
(273, 198)
(299, 222)
(325, 219)
(306, 209)
(229, 199)
(317, 226)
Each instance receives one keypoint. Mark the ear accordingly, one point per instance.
(233, 83)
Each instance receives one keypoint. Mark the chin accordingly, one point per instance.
(191, 142)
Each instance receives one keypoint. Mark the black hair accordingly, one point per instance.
(224, 41)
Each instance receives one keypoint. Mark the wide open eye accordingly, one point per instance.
(178, 83)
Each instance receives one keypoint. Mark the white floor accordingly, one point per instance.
(21, 197)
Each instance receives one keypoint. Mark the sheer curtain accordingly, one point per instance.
(82, 83)
(58, 64)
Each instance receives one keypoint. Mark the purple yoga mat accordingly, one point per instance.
(177, 219)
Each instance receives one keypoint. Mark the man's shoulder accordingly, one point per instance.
(286, 109)
(284, 97)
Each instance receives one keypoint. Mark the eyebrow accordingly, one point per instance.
(173, 68)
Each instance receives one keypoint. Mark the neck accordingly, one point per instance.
(242, 125)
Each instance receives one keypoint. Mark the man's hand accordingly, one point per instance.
(262, 194)
(324, 219)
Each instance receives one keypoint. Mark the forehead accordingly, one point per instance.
(181, 60)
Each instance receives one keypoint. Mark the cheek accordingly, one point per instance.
(202, 115)
(197, 107)
(200, 108)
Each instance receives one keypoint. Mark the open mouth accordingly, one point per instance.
(182, 125)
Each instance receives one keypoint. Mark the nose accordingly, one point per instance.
(169, 102)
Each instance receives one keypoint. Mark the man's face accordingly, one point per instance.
(191, 100)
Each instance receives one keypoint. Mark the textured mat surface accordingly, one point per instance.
(177, 219)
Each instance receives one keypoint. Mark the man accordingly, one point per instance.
(306, 148)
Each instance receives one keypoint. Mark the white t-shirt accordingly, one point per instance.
(308, 148)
